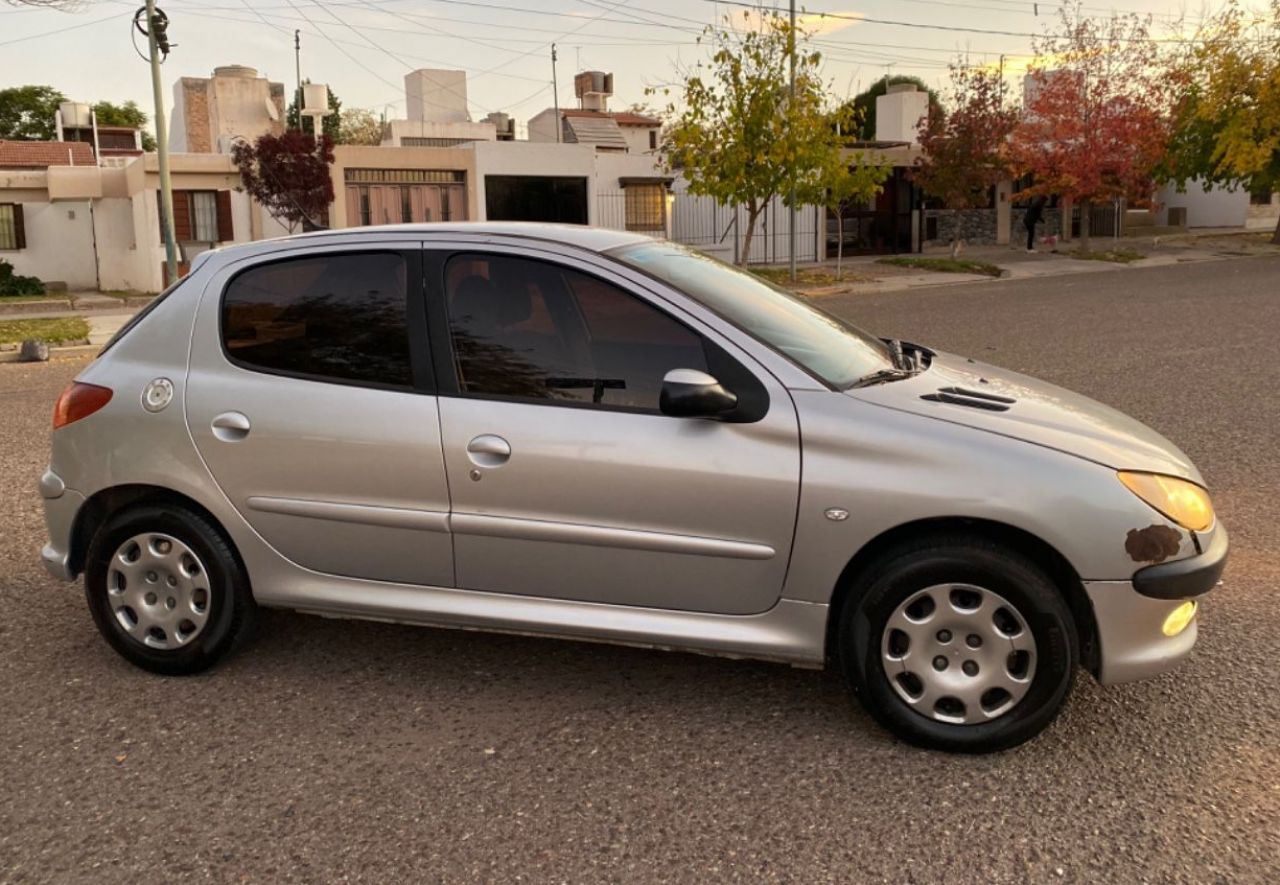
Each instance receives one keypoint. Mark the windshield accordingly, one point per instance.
(828, 347)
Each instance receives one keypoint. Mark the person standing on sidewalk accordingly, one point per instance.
(1034, 216)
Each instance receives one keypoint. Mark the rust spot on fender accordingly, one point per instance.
(1155, 543)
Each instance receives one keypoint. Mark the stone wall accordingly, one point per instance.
(978, 226)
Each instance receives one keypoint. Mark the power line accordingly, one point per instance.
(956, 28)
(96, 21)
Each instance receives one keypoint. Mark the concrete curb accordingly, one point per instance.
(21, 308)
(55, 351)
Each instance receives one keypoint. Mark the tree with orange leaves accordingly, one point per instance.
(1095, 126)
(965, 150)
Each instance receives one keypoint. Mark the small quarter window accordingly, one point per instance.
(330, 317)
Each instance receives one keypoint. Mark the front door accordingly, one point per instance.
(310, 400)
(566, 480)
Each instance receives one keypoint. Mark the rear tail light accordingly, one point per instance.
(78, 401)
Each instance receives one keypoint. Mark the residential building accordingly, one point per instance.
(78, 224)
(438, 115)
(440, 166)
(76, 121)
(594, 124)
(211, 113)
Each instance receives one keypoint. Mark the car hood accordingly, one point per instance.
(985, 397)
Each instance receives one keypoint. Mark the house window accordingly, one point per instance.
(445, 214)
(199, 216)
(204, 216)
(653, 139)
(12, 232)
(1260, 198)
(406, 205)
(646, 207)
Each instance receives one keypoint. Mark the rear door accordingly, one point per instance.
(311, 400)
(567, 482)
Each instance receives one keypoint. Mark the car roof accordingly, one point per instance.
(592, 238)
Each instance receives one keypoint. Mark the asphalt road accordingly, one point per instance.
(334, 750)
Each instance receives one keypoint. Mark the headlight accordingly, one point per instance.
(1184, 502)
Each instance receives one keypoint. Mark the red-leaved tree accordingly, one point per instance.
(965, 151)
(289, 175)
(1095, 126)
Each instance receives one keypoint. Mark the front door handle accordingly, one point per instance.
(231, 426)
(488, 450)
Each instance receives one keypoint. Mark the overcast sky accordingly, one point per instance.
(362, 48)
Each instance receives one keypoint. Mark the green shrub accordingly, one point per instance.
(15, 284)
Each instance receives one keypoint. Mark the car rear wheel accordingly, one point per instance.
(166, 590)
(959, 644)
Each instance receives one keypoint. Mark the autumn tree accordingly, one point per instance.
(742, 138)
(1227, 119)
(1095, 127)
(331, 125)
(27, 112)
(965, 152)
(359, 126)
(289, 175)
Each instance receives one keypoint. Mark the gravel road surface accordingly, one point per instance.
(331, 751)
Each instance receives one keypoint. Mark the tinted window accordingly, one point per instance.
(533, 330)
(830, 348)
(336, 317)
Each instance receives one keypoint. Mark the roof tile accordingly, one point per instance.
(43, 154)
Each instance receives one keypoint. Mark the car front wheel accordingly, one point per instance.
(959, 644)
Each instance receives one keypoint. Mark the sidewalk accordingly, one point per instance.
(101, 327)
(71, 304)
(868, 275)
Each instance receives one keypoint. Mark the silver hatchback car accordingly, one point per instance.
(592, 434)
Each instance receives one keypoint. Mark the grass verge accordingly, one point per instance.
(805, 276)
(945, 265)
(22, 299)
(1118, 256)
(56, 330)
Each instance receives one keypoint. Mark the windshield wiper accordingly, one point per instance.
(881, 376)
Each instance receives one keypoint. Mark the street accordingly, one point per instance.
(343, 750)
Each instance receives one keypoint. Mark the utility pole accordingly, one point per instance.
(158, 41)
(555, 92)
(791, 226)
(297, 67)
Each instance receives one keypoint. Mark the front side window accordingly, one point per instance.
(828, 347)
(328, 317)
(532, 330)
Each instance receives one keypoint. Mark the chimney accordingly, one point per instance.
(899, 112)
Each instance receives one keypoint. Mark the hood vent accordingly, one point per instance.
(974, 399)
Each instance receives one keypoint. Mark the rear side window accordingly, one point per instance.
(328, 317)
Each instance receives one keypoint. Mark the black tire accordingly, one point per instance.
(914, 566)
(231, 609)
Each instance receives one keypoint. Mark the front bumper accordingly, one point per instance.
(60, 508)
(1130, 615)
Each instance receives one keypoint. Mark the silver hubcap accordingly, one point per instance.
(158, 590)
(958, 653)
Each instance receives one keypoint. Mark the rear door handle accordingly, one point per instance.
(488, 450)
(231, 426)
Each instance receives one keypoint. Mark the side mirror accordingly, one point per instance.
(688, 393)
